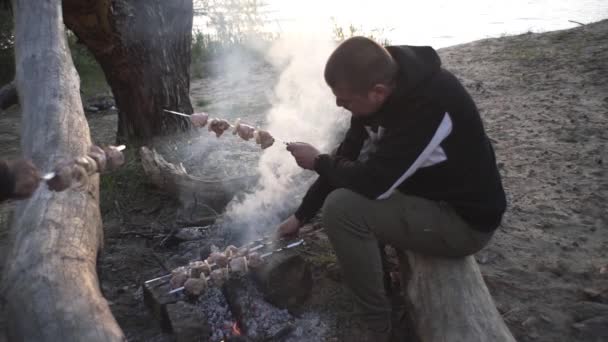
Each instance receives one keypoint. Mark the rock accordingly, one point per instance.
(585, 310)
(188, 322)
(91, 109)
(192, 233)
(597, 295)
(334, 272)
(593, 329)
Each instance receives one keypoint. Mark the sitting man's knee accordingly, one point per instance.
(338, 203)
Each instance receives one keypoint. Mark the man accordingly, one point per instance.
(415, 169)
(18, 179)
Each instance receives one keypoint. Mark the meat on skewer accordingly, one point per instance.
(219, 259)
(264, 139)
(179, 276)
(218, 126)
(195, 286)
(238, 265)
(199, 269)
(77, 171)
(244, 131)
(199, 120)
(114, 157)
(63, 177)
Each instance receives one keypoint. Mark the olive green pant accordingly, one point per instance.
(356, 224)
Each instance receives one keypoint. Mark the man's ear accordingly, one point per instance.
(380, 92)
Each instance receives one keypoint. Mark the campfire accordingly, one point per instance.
(235, 294)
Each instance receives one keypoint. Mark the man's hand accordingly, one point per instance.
(304, 154)
(289, 227)
(26, 177)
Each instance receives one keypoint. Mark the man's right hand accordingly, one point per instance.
(289, 227)
(26, 178)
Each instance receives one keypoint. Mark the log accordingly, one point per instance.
(50, 282)
(192, 191)
(188, 322)
(8, 95)
(449, 300)
(285, 279)
(258, 320)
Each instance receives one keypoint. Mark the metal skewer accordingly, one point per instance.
(176, 113)
(50, 175)
(231, 125)
(265, 255)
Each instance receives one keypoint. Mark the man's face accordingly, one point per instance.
(361, 104)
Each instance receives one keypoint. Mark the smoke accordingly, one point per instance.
(302, 109)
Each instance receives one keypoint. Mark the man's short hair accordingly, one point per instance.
(358, 64)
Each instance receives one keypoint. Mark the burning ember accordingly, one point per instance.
(236, 330)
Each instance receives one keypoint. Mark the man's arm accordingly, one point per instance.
(401, 151)
(315, 196)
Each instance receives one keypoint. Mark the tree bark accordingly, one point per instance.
(50, 282)
(8, 95)
(449, 301)
(143, 47)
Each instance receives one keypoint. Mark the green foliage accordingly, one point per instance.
(341, 33)
(228, 25)
(125, 185)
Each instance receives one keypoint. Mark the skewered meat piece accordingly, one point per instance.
(195, 286)
(89, 164)
(244, 131)
(198, 268)
(219, 276)
(238, 265)
(254, 260)
(243, 251)
(99, 156)
(80, 178)
(231, 251)
(114, 158)
(218, 126)
(63, 177)
(178, 277)
(199, 119)
(264, 139)
(219, 259)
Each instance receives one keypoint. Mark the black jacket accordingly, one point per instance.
(427, 140)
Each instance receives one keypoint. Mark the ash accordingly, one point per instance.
(260, 319)
(220, 319)
(308, 328)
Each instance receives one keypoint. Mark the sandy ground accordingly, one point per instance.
(544, 100)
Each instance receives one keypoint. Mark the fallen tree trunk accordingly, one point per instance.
(449, 301)
(192, 191)
(8, 95)
(50, 281)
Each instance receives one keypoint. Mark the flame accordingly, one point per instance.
(236, 330)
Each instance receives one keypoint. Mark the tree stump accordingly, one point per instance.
(449, 300)
(50, 281)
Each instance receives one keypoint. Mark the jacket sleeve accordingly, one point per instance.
(7, 181)
(400, 152)
(315, 196)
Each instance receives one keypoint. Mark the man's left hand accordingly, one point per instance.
(304, 154)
